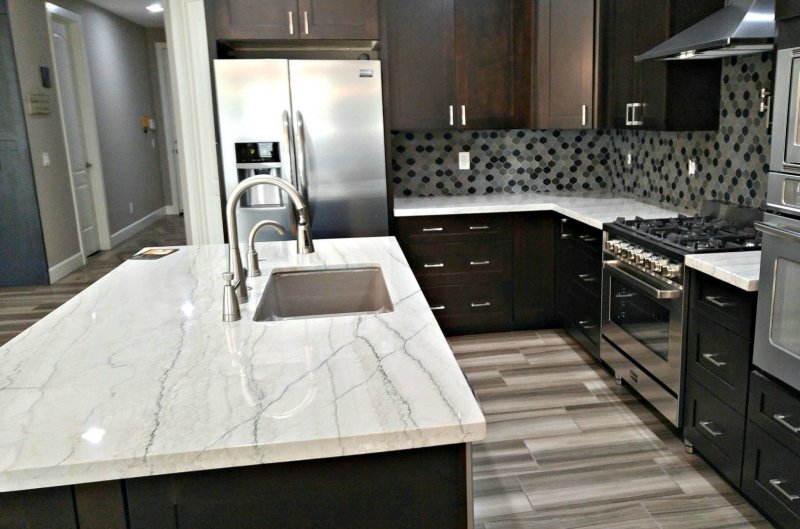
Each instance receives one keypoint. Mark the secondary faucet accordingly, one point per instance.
(237, 282)
(252, 255)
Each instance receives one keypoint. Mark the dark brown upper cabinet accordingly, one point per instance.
(296, 19)
(459, 64)
(565, 64)
(654, 95)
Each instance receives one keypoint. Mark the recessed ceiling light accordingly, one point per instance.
(155, 8)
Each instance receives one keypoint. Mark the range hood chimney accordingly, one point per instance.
(741, 27)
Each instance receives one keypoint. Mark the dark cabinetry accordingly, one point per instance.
(565, 64)
(579, 281)
(296, 19)
(719, 351)
(654, 95)
(459, 63)
(482, 273)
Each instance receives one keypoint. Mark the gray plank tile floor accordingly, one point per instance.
(567, 448)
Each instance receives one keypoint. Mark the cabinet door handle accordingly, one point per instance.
(479, 263)
(587, 238)
(587, 278)
(464, 115)
(480, 305)
(777, 484)
(710, 357)
(305, 20)
(478, 228)
(637, 122)
(291, 22)
(706, 426)
(628, 120)
(584, 115)
(564, 235)
(714, 300)
(452, 116)
(438, 307)
(433, 265)
(429, 230)
(585, 324)
(786, 424)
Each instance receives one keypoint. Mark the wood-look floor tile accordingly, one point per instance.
(493, 342)
(629, 515)
(498, 399)
(547, 376)
(493, 496)
(528, 426)
(496, 360)
(699, 513)
(502, 458)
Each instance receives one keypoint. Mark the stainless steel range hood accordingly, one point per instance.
(740, 28)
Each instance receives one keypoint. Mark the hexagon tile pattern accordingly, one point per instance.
(732, 163)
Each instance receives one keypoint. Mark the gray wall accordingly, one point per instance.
(22, 255)
(53, 188)
(120, 71)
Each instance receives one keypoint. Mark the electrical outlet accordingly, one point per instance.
(130, 207)
(46, 159)
(463, 161)
(630, 159)
(691, 168)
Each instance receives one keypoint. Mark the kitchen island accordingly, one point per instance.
(136, 388)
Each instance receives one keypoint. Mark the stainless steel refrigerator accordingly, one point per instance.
(316, 123)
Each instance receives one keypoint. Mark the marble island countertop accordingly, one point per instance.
(740, 269)
(138, 375)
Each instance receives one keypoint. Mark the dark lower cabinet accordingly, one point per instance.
(38, 509)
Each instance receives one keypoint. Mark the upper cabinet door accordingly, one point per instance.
(492, 43)
(618, 77)
(339, 19)
(421, 69)
(651, 29)
(565, 47)
(257, 19)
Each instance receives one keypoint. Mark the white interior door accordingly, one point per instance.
(76, 141)
(169, 125)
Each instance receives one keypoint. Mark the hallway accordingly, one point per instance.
(21, 307)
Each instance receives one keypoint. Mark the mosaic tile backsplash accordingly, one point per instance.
(732, 163)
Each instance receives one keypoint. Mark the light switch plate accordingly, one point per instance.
(692, 167)
(46, 159)
(463, 161)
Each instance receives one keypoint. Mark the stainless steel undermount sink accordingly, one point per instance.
(319, 293)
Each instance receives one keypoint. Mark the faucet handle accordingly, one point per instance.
(227, 277)
(230, 303)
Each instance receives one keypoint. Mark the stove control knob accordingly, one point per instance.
(656, 263)
(643, 257)
(634, 254)
(612, 245)
(672, 270)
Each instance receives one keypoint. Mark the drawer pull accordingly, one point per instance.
(710, 357)
(433, 265)
(786, 424)
(478, 228)
(438, 307)
(714, 300)
(480, 305)
(777, 484)
(587, 278)
(479, 263)
(587, 238)
(586, 324)
(706, 427)
(429, 230)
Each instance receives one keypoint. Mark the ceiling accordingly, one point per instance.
(134, 10)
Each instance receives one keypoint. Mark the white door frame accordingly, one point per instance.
(88, 119)
(194, 124)
(168, 115)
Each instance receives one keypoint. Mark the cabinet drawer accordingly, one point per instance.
(775, 409)
(581, 233)
(726, 304)
(468, 309)
(771, 477)
(583, 267)
(719, 359)
(715, 429)
(451, 228)
(461, 262)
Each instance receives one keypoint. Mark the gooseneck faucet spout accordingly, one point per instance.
(305, 244)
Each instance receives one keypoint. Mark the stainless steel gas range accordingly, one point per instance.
(643, 298)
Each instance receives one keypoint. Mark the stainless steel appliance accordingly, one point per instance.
(317, 124)
(644, 302)
(777, 340)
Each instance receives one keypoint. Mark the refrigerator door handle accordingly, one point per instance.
(300, 155)
(289, 146)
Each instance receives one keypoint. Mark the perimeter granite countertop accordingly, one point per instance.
(138, 375)
(740, 269)
(591, 208)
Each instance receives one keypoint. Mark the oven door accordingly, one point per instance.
(777, 342)
(643, 317)
(785, 156)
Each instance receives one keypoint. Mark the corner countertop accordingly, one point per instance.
(592, 208)
(740, 269)
(138, 375)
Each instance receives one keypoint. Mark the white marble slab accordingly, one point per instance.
(590, 208)
(138, 375)
(741, 269)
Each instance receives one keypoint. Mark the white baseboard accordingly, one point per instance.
(172, 210)
(129, 231)
(65, 267)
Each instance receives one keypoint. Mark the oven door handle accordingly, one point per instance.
(651, 290)
(771, 229)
